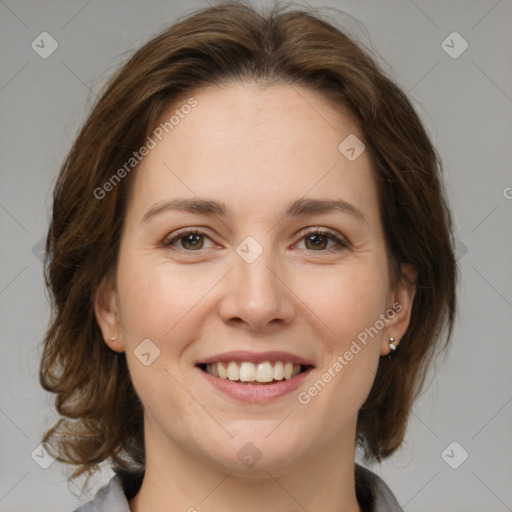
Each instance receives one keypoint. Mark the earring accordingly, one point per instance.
(114, 338)
(392, 345)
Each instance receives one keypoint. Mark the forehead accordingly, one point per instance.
(246, 144)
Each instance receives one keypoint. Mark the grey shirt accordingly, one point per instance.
(372, 493)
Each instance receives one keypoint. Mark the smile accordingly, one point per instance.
(265, 372)
(255, 377)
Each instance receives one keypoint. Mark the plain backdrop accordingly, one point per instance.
(465, 101)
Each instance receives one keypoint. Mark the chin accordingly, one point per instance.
(255, 454)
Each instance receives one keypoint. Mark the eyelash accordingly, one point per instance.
(318, 231)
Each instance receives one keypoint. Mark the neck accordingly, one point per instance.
(175, 480)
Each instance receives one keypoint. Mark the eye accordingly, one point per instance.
(191, 239)
(316, 240)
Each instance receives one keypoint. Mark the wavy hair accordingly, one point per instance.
(101, 414)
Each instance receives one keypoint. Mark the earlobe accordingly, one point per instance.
(402, 300)
(107, 315)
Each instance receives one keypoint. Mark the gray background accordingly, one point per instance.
(466, 104)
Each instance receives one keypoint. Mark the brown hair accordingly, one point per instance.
(231, 42)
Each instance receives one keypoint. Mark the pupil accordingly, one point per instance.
(192, 239)
(316, 244)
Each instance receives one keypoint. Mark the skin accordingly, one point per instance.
(255, 149)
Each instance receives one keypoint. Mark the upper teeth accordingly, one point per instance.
(250, 372)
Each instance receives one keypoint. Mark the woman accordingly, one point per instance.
(252, 266)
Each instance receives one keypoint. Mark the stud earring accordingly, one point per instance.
(392, 345)
(114, 338)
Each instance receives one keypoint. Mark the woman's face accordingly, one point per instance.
(256, 280)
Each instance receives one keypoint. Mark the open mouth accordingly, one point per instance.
(260, 374)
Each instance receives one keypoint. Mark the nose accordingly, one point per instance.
(257, 296)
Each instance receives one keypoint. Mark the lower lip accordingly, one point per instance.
(260, 393)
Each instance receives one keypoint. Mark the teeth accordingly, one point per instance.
(249, 372)
(264, 372)
(233, 371)
(223, 374)
(279, 370)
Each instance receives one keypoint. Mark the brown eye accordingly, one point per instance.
(318, 240)
(190, 240)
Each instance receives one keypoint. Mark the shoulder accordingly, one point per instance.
(114, 496)
(373, 493)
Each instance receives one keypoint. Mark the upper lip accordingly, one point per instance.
(256, 357)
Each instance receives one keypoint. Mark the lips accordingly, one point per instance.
(255, 376)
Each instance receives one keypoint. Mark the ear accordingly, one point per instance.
(106, 309)
(400, 303)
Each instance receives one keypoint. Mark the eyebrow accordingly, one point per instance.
(294, 209)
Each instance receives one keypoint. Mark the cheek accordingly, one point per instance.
(157, 303)
(347, 299)
(348, 303)
(349, 306)
(155, 297)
